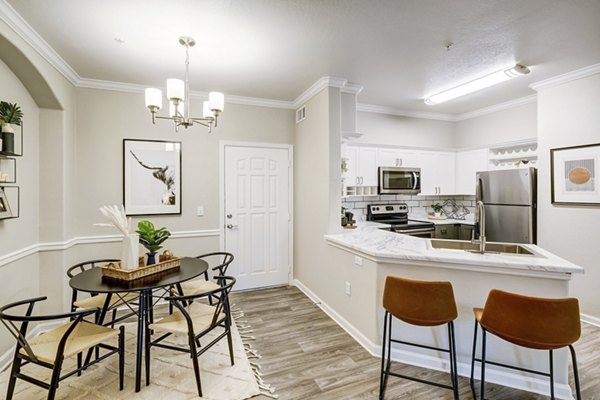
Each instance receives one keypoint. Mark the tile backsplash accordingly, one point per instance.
(416, 203)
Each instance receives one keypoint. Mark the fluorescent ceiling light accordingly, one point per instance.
(478, 84)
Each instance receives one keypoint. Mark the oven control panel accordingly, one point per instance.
(379, 209)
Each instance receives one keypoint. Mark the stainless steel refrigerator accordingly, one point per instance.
(510, 200)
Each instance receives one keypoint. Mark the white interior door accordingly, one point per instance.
(257, 215)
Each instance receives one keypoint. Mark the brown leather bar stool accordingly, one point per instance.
(531, 322)
(422, 303)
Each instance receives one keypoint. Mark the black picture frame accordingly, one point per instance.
(574, 174)
(152, 183)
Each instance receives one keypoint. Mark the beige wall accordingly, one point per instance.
(513, 124)
(404, 131)
(569, 115)
(105, 118)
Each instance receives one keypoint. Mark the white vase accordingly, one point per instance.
(129, 252)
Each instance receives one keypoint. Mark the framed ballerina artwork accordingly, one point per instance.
(151, 177)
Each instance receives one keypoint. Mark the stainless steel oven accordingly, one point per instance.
(399, 180)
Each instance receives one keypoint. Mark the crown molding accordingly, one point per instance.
(320, 84)
(404, 113)
(199, 95)
(352, 88)
(568, 77)
(14, 20)
(497, 107)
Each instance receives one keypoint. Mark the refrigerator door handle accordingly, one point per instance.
(479, 189)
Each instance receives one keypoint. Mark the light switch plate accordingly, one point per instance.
(348, 289)
(358, 260)
(200, 211)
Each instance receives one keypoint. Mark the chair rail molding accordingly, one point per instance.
(64, 245)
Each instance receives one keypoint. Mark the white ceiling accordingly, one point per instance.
(276, 49)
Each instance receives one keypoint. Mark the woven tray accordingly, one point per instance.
(113, 271)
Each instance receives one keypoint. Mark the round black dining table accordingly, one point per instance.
(92, 281)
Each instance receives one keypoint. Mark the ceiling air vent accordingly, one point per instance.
(300, 114)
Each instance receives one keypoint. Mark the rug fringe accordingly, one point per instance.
(245, 331)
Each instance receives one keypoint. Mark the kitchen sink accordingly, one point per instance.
(490, 247)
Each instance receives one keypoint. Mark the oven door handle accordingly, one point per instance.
(423, 230)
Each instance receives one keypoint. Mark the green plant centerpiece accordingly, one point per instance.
(10, 114)
(152, 238)
(437, 209)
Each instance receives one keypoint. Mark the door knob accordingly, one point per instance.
(230, 226)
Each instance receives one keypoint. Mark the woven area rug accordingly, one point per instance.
(172, 374)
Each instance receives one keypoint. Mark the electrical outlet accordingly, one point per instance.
(348, 289)
(200, 211)
(358, 260)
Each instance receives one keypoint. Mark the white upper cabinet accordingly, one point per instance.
(468, 163)
(362, 166)
(437, 172)
(390, 157)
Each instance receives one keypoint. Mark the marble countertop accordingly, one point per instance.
(370, 240)
(422, 216)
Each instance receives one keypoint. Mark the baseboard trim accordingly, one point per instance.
(493, 374)
(590, 319)
(64, 245)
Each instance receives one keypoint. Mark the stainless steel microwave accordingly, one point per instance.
(399, 180)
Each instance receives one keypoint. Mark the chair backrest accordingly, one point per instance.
(220, 301)
(85, 265)
(425, 303)
(20, 334)
(221, 259)
(534, 322)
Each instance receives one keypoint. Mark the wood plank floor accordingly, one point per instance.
(306, 355)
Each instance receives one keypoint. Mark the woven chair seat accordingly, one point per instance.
(99, 300)
(84, 336)
(201, 314)
(198, 287)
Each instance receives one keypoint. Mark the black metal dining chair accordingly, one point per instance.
(51, 348)
(194, 319)
(99, 300)
(220, 261)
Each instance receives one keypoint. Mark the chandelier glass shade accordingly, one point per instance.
(178, 95)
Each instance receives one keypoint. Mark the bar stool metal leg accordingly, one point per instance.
(575, 372)
(472, 381)
(383, 348)
(453, 361)
(551, 375)
(482, 363)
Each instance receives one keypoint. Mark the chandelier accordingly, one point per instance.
(178, 93)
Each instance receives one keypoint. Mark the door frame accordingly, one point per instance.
(223, 144)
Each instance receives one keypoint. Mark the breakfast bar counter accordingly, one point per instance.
(360, 259)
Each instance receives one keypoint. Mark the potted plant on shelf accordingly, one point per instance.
(437, 210)
(10, 114)
(152, 238)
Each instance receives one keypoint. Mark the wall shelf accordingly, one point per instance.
(517, 155)
(11, 202)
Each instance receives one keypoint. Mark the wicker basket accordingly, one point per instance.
(114, 271)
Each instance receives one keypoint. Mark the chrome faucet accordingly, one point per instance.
(481, 220)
